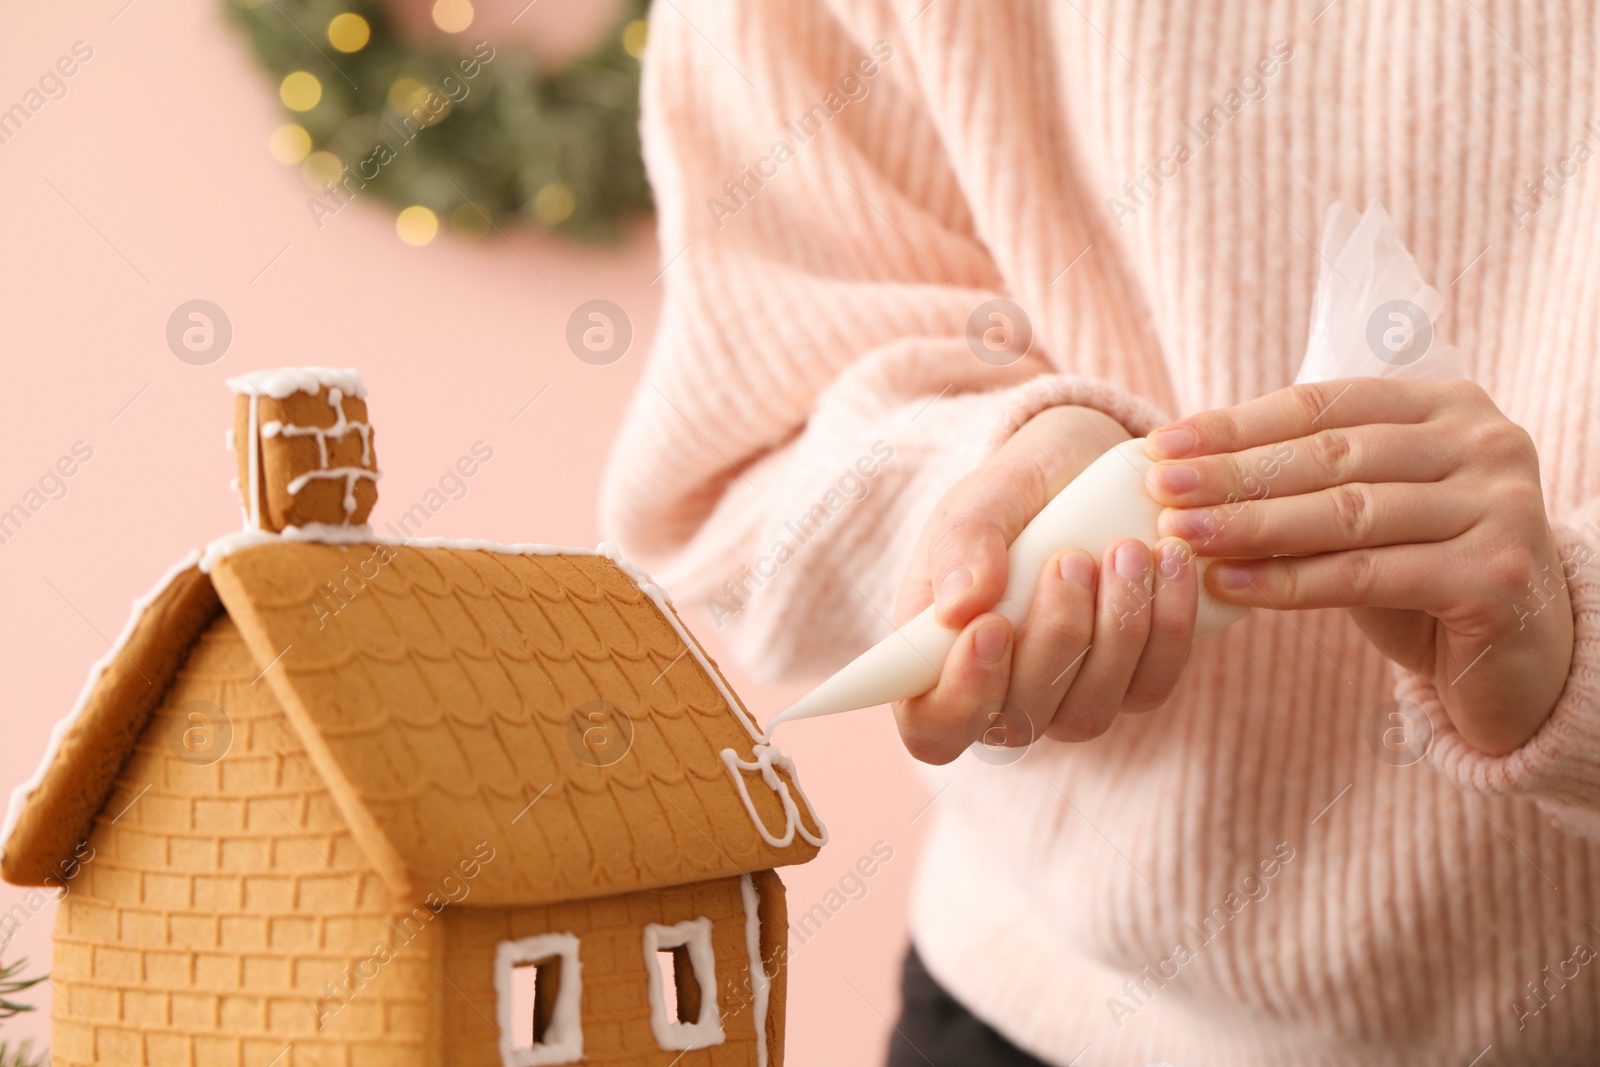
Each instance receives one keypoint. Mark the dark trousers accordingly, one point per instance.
(934, 1030)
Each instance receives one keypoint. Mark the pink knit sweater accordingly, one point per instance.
(1236, 879)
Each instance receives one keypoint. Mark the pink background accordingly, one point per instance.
(163, 192)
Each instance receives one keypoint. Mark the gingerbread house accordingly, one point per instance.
(344, 801)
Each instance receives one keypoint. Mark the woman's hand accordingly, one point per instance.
(1098, 640)
(1415, 504)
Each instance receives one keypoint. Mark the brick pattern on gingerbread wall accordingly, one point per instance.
(615, 1007)
(220, 899)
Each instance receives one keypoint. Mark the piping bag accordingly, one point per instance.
(1371, 316)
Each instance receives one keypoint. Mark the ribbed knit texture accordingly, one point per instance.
(822, 309)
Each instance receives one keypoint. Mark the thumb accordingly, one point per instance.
(967, 558)
(988, 508)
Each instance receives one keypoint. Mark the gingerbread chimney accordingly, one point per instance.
(304, 448)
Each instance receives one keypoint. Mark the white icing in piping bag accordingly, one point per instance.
(1103, 505)
(1369, 288)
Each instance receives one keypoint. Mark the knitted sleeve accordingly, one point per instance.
(1560, 765)
(829, 358)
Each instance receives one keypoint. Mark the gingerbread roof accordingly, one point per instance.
(443, 692)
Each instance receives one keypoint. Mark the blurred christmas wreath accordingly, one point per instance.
(467, 136)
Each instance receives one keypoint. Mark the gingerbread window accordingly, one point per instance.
(682, 971)
(538, 992)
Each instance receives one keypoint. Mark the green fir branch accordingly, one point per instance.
(11, 984)
(22, 1055)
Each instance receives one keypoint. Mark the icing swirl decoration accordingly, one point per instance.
(767, 761)
(464, 134)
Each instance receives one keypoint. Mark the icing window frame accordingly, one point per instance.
(563, 1038)
(693, 938)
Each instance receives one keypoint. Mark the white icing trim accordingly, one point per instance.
(351, 475)
(340, 428)
(253, 466)
(24, 792)
(760, 984)
(767, 759)
(662, 601)
(321, 533)
(564, 1040)
(672, 1034)
(281, 382)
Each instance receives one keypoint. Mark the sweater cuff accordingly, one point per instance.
(1559, 766)
(1136, 414)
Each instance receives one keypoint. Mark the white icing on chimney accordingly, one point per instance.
(284, 381)
(253, 517)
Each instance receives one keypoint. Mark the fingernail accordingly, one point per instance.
(1175, 477)
(1175, 442)
(955, 583)
(1190, 524)
(1130, 560)
(990, 641)
(1077, 569)
(1231, 575)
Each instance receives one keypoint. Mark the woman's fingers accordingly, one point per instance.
(1298, 411)
(979, 518)
(1052, 641)
(1354, 515)
(1097, 641)
(938, 726)
(967, 553)
(1399, 576)
(1122, 623)
(1380, 453)
(1166, 650)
